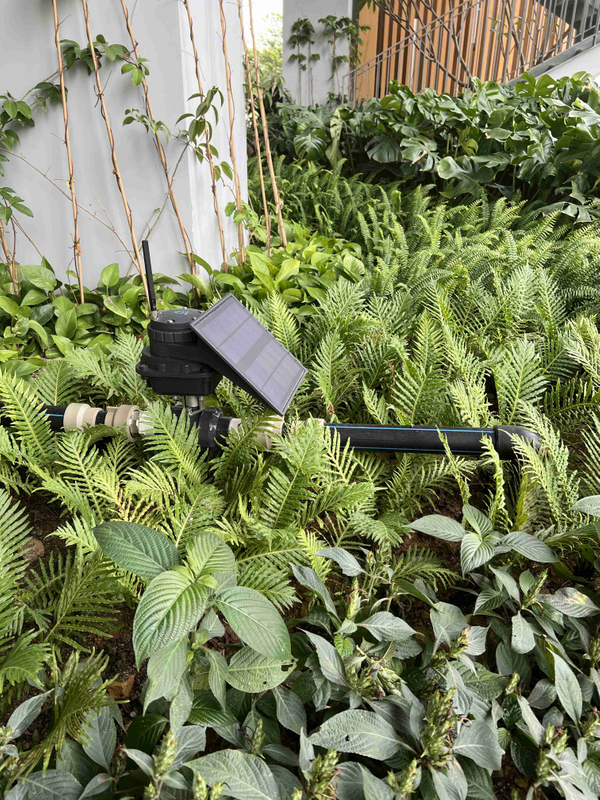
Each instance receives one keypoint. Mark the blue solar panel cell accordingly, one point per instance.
(256, 357)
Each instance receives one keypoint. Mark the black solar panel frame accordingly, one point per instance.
(228, 310)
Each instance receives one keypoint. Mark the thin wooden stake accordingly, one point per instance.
(209, 154)
(263, 117)
(256, 136)
(9, 260)
(65, 110)
(159, 147)
(113, 152)
(230, 107)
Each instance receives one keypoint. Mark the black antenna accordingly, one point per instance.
(149, 278)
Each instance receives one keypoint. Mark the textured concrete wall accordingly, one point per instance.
(299, 86)
(160, 26)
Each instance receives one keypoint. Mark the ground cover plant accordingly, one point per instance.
(311, 621)
(314, 621)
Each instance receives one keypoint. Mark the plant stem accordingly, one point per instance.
(256, 135)
(71, 182)
(159, 147)
(111, 141)
(231, 110)
(265, 126)
(209, 155)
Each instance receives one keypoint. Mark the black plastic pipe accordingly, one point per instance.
(213, 425)
(421, 439)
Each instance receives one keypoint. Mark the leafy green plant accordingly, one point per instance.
(535, 139)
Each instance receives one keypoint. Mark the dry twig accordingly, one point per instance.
(256, 136)
(111, 141)
(71, 181)
(231, 110)
(209, 155)
(159, 147)
(263, 117)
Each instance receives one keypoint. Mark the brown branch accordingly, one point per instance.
(111, 141)
(9, 259)
(231, 110)
(28, 237)
(428, 54)
(209, 154)
(256, 135)
(159, 147)
(265, 126)
(71, 182)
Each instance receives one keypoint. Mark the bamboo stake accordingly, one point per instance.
(231, 109)
(9, 260)
(256, 136)
(65, 110)
(263, 117)
(209, 155)
(111, 141)
(159, 147)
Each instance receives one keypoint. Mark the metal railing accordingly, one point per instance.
(487, 39)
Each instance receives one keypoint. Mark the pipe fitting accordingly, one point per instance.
(78, 416)
(123, 417)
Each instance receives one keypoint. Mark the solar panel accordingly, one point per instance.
(244, 351)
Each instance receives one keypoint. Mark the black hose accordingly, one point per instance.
(213, 426)
(405, 439)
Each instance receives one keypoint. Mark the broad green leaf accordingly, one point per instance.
(217, 675)
(385, 627)
(522, 638)
(447, 622)
(144, 732)
(199, 283)
(250, 672)
(206, 710)
(100, 737)
(66, 324)
(99, 784)
(479, 781)
(309, 578)
(109, 275)
(475, 551)
(440, 527)
(255, 620)
(208, 554)
(570, 601)
(290, 709)
(345, 560)
(171, 606)
(330, 661)
(117, 306)
(288, 268)
(361, 732)
(478, 740)
(25, 713)
(143, 551)
(567, 688)
(12, 308)
(588, 505)
(53, 784)
(165, 669)
(41, 277)
(529, 546)
(246, 777)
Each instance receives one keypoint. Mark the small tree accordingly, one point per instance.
(301, 36)
(342, 28)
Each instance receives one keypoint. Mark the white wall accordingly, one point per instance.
(323, 82)
(587, 60)
(160, 26)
